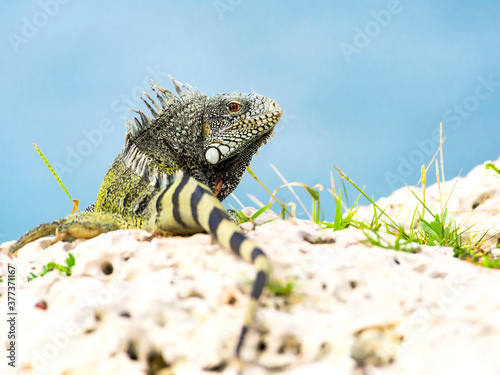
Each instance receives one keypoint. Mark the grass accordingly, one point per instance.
(66, 270)
(282, 288)
(242, 218)
(426, 226)
(493, 167)
(42, 156)
(440, 230)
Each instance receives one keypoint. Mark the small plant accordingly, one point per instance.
(244, 219)
(282, 288)
(493, 167)
(374, 225)
(340, 222)
(490, 262)
(399, 244)
(70, 262)
(438, 232)
(476, 255)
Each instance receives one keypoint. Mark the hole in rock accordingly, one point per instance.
(323, 350)
(261, 346)
(480, 200)
(132, 351)
(107, 268)
(290, 345)
(217, 368)
(231, 300)
(97, 317)
(156, 363)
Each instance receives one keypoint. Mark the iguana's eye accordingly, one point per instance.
(234, 107)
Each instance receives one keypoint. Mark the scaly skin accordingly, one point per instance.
(173, 172)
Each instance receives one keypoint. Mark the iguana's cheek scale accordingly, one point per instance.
(212, 155)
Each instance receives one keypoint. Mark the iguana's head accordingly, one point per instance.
(234, 126)
(234, 122)
(211, 138)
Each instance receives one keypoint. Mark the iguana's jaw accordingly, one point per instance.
(244, 134)
(225, 176)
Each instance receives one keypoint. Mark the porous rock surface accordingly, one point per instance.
(137, 304)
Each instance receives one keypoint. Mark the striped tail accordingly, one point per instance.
(193, 207)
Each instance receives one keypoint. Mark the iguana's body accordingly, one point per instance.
(172, 168)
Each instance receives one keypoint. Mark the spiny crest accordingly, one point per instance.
(141, 165)
(165, 99)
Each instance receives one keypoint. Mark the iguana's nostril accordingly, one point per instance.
(274, 106)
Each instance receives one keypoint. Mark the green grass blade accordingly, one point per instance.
(241, 217)
(70, 260)
(345, 177)
(492, 166)
(54, 174)
(338, 212)
(261, 211)
(266, 189)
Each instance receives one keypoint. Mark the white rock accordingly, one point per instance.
(178, 302)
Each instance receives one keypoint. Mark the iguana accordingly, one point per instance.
(174, 170)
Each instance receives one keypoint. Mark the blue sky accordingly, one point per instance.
(364, 85)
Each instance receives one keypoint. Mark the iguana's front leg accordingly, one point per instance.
(82, 225)
(42, 230)
(91, 224)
